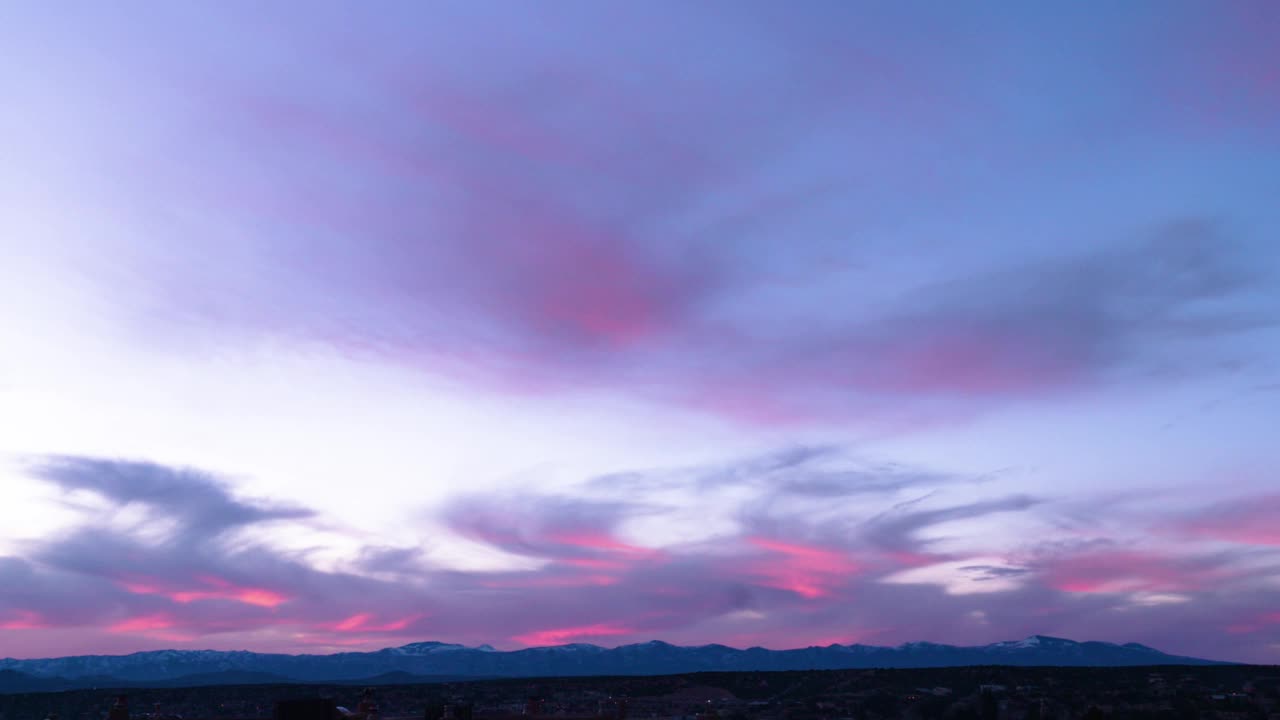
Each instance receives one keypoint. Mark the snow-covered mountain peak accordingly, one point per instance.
(570, 647)
(428, 648)
(920, 645)
(1034, 642)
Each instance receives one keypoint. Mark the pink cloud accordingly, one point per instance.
(552, 581)
(1115, 571)
(143, 624)
(249, 596)
(807, 570)
(330, 641)
(572, 538)
(214, 588)
(534, 245)
(594, 563)
(775, 583)
(600, 541)
(1221, 71)
(22, 620)
(977, 362)
(1256, 624)
(560, 636)
(1250, 521)
(363, 622)
(527, 258)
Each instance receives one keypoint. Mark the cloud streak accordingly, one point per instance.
(772, 581)
(543, 224)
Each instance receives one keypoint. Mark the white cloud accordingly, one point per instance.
(958, 578)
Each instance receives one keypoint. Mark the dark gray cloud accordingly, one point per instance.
(1071, 320)
(200, 501)
(899, 528)
(993, 572)
(390, 559)
(805, 471)
(533, 523)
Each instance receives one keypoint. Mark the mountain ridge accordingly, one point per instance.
(437, 659)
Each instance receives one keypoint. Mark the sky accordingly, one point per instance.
(334, 326)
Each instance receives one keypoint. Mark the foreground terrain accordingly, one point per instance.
(1238, 692)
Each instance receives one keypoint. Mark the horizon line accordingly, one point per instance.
(493, 648)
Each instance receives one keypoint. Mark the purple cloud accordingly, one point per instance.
(1247, 521)
(777, 580)
(539, 223)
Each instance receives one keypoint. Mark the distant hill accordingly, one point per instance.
(226, 677)
(439, 662)
(403, 678)
(12, 681)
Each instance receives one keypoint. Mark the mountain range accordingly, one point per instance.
(438, 662)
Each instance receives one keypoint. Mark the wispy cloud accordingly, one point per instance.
(545, 224)
(776, 580)
(1248, 521)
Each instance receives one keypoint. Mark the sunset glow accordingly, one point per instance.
(330, 328)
